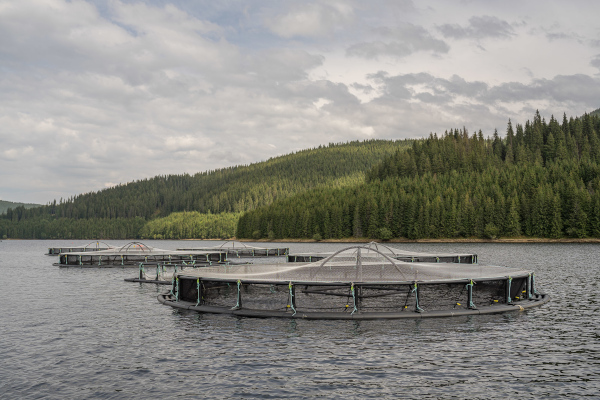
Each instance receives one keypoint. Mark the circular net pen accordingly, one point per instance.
(94, 246)
(241, 250)
(392, 252)
(354, 283)
(163, 273)
(134, 253)
(160, 273)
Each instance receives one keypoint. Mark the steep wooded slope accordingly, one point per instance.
(542, 180)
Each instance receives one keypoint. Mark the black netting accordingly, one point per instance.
(344, 298)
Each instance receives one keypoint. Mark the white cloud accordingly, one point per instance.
(596, 61)
(479, 27)
(91, 97)
(400, 41)
(311, 19)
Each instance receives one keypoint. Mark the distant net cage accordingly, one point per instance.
(355, 283)
(134, 253)
(241, 250)
(397, 254)
(93, 246)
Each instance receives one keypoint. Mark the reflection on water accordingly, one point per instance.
(85, 333)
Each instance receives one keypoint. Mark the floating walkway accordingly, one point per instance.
(94, 246)
(163, 273)
(397, 254)
(356, 283)
(240, 250)
(516, 306)
(134, 253)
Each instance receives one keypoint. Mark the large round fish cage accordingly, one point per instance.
(241, 250)
(94, 246)
(355, 283)
(134, 253)
(163, 273)
(397, 254)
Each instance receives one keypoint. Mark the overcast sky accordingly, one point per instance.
(100, 92)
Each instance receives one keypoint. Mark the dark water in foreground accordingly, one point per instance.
(85, 333)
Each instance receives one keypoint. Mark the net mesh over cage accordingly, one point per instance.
(357, 282)
(94, 246)
(134, 253)
(392, 252)
(241, 250)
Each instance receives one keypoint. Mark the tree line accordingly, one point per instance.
(541, 180)
(191, 225)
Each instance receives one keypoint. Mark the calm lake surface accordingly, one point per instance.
(86, 333)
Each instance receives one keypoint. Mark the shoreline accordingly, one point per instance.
(402, 240)
(366, 240)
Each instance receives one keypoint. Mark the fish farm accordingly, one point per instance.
(356, 283)
(94, 246)
(397, 254)
(134, 253)
(240, 250)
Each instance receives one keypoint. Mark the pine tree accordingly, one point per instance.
(577, 222)
(555, 218)
(512, 227)
(357, 224)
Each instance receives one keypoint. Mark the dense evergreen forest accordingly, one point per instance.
(142, 209)
(541, 179)
(192, 224)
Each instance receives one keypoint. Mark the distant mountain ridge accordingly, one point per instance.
(5, 205)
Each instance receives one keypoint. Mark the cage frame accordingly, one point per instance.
(511, 302)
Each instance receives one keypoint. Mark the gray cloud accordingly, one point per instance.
(596, 61)
(311, 19)
(557, 36)
(400, 41)
(480, 27)
(92, 98)
(578, 88)
(442, 104)
(367, 89)
(423, 84)
(562, 89)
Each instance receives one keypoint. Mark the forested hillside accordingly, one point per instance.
(122, 211)
(192, 224)
(5, 205)
(541, 180)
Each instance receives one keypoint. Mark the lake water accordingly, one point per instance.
(86, 333)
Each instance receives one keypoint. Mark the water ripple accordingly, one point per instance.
(85, 333)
